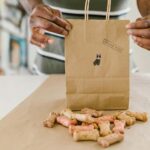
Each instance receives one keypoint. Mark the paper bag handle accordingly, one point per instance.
(86, 9)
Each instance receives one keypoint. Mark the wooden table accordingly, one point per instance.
(22, 128)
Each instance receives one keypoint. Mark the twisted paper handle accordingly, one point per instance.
(86, 9)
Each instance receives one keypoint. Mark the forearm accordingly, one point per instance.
(144, 7)
(29, 5)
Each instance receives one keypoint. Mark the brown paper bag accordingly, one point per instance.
(97, 64)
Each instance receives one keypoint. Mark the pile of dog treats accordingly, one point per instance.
(92, 125)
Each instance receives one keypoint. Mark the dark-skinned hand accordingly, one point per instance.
(44, 18)
(140, 32)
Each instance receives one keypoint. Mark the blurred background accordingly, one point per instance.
(17, 54)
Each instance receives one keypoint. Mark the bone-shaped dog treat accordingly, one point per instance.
(91, 135)
(129, 120)
(94, 124)
(73, 128)
(92, 112)
(110, 139)
(104, 128)
(65, 121)
(50, 121)
(80, 117)
(68, 113)
(119, 126)
(109, 118)
(83, 118)
(140, 116)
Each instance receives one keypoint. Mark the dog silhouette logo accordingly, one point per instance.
(97, 61)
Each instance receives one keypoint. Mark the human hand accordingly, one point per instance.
(46, 18)
(140, 32)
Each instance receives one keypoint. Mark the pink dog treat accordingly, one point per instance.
(109, 118)
(65, 121)
(119, 126)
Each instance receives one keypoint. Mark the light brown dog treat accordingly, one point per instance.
(116, 114)
(119, 126)
(50, 121)
(68, 113)
(140, 116)
(86, 124)
(95, 125)
(65, 121)
(110, 139)
(104, 128)
(83, 118)
(109, 118)
(91, 135)
(73, 128)
(92, 112)
(129, 120)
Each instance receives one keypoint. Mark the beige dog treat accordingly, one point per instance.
(109, 118)
(104, 128)
(83, 118)
(110, 139)
(140, 116)
(73, 128)
(80, 117)
(129, 120)
(94, 124)
(92, 112)
(67, 112)
(91, 135)
(116, 114)
(65, 121)
(50, 121)
(119, 126)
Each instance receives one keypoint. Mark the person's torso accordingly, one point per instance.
(51, 59)
(118, 7)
